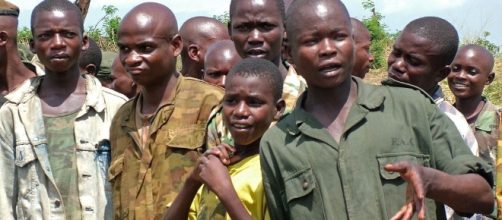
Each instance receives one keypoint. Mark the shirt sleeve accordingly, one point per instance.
(271, 182)
(450, 153)
(8, 186)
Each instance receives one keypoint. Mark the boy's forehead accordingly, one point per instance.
(301, 18)
(44, 18)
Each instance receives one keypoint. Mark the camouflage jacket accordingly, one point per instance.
(486, 131)
(28, 189)
(294, 85)
(145, 181)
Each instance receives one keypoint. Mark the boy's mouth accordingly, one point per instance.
(256, 52)
(458, 85)
(59, 56)
(331, 67)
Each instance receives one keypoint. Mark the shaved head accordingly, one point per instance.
(296, 12)
(481, 52)
(151, 17)
(358, 27)
(222, 48)
(198, 33)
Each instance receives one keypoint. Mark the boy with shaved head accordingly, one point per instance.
(363, 151)
(421, 57)
(220, 58)
(12, 70)
(362, 43)
(198, 33)
(156, 137)
(54, 129)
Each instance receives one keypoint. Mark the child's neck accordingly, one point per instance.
(153, 95)
(332, 110)
(242, 152)
(470, 107)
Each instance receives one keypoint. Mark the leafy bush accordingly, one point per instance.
(380, 39)
(104, 32)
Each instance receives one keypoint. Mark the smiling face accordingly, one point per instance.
(58, 40)
(412, 61)
(248, 108)
(321, 46)
(257, 29)
(471, 71)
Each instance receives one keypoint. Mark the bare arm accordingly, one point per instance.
(215, 175)
(466, 193)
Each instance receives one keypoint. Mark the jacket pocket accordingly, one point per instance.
(24, 155)
(393, 186)
(303, 200)
(190, 138)
(299, 184)
(383, 159)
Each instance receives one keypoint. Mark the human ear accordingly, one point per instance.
(85, 42)
(32, 46)
(177, 44)
(91, 69)
(491, 77)
(193, 52)
(3, 38)
(280, 106)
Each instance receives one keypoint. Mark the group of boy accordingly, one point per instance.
(339, 149)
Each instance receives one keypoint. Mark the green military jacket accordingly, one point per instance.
(308, 175)
(145, 182)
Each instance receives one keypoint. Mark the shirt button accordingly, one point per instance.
(305, 185)
(57, 203)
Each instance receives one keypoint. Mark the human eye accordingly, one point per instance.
(340, 36)
(123, 48)
(242, 27)
(69, 34)
(266, 26)
(146, 48)
(455, 68)
(413, 61)
(255, 102)
(472, 71)
(44, 36)
(229, 100)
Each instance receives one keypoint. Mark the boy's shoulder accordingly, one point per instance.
(198, 87)
(404, 89)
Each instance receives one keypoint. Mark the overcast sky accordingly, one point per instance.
(470, 18)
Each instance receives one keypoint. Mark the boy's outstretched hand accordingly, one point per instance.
(418, 183)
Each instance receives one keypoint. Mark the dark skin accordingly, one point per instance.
(362, 43)
(58, 41)
(198, 34)
(318, 34)
(220, 58)
(121, 81)
(248, 109)
(471, 72)
(149, 45)
(415, 60)
(257, 29)
(12, 71)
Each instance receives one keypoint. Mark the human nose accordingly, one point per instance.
(132, 59)
(241, 110)
(327, 47)
(255, 37)
(58, 41)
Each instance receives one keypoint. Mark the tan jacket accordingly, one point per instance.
(27, 189)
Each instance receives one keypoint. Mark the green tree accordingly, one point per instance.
(105, 31)
(379, 37)
(483, 41)
(224, 18)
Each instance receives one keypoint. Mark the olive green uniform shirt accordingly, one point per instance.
(308, 175)
(145, 180)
